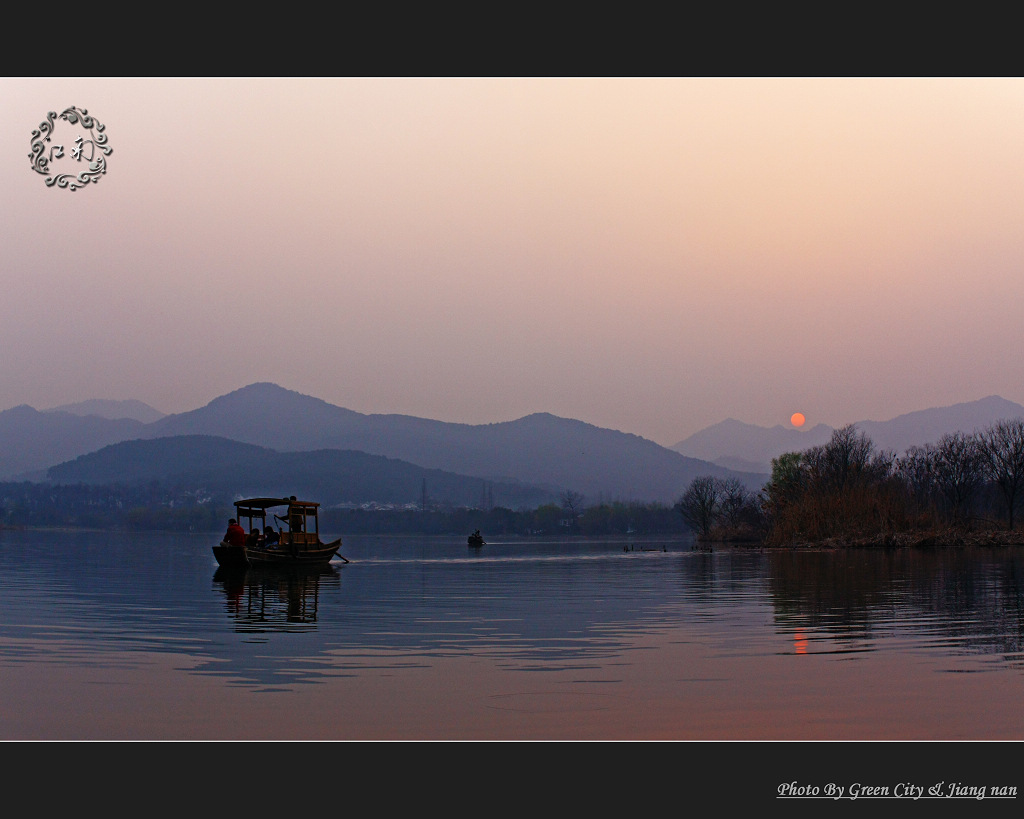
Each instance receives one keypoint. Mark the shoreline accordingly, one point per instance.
(952, 539)
(924, 540)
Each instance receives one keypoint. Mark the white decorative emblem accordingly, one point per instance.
(90, 147)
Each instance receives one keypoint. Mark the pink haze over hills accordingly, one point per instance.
(648, 255)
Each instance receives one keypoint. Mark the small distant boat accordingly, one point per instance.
(475, 539)
(296, 541)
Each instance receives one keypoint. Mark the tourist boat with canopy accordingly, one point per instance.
(294, 541)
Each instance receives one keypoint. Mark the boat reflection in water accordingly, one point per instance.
(275, 599)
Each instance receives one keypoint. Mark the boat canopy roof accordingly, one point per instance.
(269, 503)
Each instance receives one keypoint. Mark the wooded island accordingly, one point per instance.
(963, 489)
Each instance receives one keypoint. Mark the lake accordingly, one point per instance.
(131, 637)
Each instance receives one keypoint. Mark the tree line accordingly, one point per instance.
(154, 506)
(847, 488)
(148, 506)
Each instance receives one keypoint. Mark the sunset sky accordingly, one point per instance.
(650, 255)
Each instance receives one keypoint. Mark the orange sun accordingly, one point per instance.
(797, 419)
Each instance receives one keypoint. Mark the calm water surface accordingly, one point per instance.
(110, 636)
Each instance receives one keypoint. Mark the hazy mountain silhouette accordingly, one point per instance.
(228, 468)
(136, 410)
(736, 444)
(541, 448)
(927, 426)
(31, 441)
(538, 450)
(732, 441)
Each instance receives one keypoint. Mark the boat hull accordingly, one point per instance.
(230, 557)
(238, 556)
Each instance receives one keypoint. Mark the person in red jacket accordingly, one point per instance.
(235, 535)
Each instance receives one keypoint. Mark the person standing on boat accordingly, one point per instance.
(235, 535)
(294, 519)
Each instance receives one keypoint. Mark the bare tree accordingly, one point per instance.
(958, 465)
(917, 469)
(735, 501)
(848, 460)
(1003, 448)
(844, 460)
(699, 504)
(572, 505)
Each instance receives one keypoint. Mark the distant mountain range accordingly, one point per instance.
(737, 445)
(264, 438)
(227, 468)
(32, 441)
(539, 451)
(136, 410)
